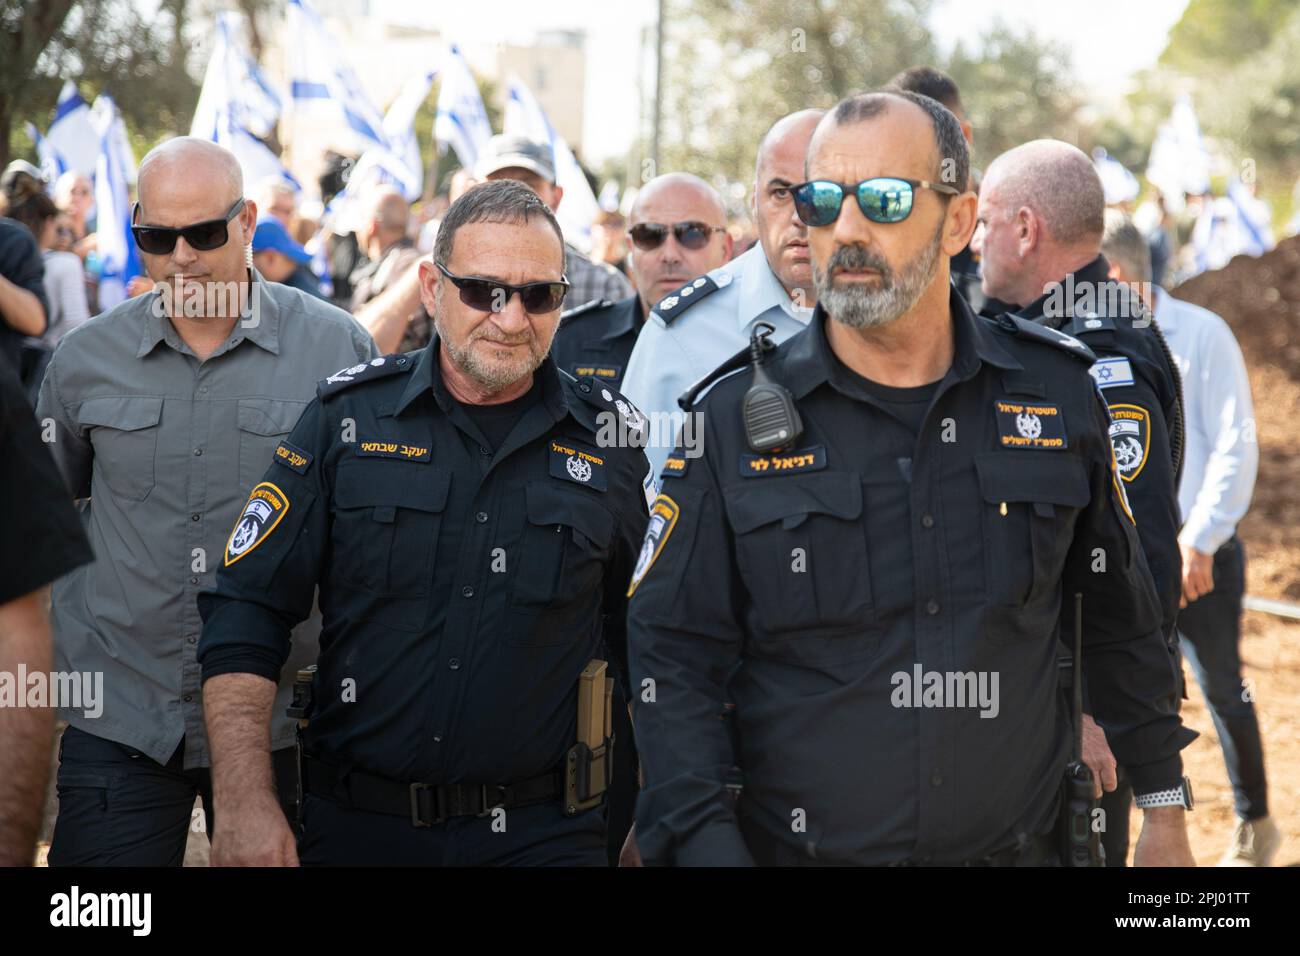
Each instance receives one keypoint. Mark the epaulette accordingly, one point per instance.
(595, 392)
(591, 306)
(1028, 329)
(1081, 323)
(671, 307)
(365, 372)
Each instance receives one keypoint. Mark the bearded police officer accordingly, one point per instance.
(1041, 218)
(885, 614)
(472, 535)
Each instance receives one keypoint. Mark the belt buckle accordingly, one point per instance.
(483, 799)
(417, 818)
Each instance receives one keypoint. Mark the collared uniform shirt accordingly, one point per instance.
(1142, 394)
(596, 339)
(462, 589)
(671, 356)
(813, 587)
(166, 448)
(1221, 451)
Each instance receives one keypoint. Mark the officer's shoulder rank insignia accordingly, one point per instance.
(585, 308)
(267, 505)
(579, 465)
(386, 448)
(1027, 329)
(293, 457)
(1029, 425)
(1111, 372)
(1130, 437)
(1086, 322)
(364, 372)
(629, 418)
(783, 463)
(671, 306)
(663, 518)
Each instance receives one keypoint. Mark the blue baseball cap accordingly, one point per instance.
(271, 234)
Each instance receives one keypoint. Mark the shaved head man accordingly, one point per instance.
(779, 165)
(168, 408)
(1041, 221)
(678, 231)
(1041, 217)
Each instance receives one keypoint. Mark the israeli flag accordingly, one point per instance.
(52, 164)
(398, 163)
(115, 245)
(73, 135)
(461, 121)
(578, 207)
(1117, 182)
(1179, 162)
(323, 87)
(1254, 220)
(1111, 372)
(237, 105)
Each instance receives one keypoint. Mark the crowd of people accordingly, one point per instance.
(885, 422)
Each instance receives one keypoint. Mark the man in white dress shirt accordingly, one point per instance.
(1220, 457)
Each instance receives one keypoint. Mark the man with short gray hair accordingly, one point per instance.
(166, 409)
(475, 537)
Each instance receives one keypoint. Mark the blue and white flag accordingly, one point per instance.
(1179, 162)
(73, 135)
(52, 164)
(1117, 182)
(323, 87)
(1254, 220)
(461, 121)
(115, 245)
(237, 105)
(578, 206)
(399, 163)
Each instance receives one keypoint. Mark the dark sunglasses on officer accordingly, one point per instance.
(690, 235)
(885, 199)
(489, 295)
(204, 236)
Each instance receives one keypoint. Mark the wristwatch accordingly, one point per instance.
(1179, 796)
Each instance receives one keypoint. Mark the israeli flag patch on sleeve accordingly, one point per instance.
(1111, 372)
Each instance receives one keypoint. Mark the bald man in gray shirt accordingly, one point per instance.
(164, 412)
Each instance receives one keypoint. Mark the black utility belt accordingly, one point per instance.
(1036, 851)
(425, 804)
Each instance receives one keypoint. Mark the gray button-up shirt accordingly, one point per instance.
(166, 448)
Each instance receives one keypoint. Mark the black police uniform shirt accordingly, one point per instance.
(43, 538)
(1142, 392)
(817, 588)
(597, 338)
(463, 587)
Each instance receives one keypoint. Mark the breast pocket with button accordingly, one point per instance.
(802, 555)
(1030, 502)
(263, 422)
(558, 584)
(124, 433)
(384, 538)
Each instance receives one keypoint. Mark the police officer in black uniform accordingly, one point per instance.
(677, 229)
(1041, 212)
(472, 543)
(885, 612)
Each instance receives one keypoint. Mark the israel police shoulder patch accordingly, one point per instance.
(267, 505)
(1130, 438)
(663, 518)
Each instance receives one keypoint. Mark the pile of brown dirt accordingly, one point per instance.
(1260, 300)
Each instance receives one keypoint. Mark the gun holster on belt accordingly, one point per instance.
(589, 763)
(299, 709)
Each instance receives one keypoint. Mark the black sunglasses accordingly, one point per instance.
(692, 235)
(203, 236)
(883, 199)
(488, 295)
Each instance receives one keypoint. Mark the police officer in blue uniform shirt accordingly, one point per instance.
(472, 541)
(886, 615)
(700, 325)
(678, 230)
(1041, 210)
